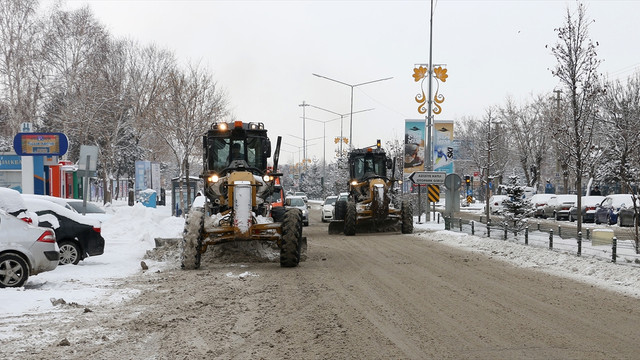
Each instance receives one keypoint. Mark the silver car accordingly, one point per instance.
(25, 250)
(298, 203)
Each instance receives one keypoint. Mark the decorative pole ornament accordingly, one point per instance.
(420, 74)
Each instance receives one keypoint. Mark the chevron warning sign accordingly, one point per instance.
(433, 192)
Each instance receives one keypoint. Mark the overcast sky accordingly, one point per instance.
(263, 54)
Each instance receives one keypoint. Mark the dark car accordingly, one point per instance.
(607, 210)
(77, 235)
(589, 205)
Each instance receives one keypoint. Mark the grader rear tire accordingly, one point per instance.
(340, 210)
(350, 219)
(407, 218)
(192, 239)
(291, 237)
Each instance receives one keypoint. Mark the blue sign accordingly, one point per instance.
(10, 162)
(30, 144)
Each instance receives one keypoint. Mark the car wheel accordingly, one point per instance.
(69, 253)
(13, 271)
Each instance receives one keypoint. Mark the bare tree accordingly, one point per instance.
(576, 68)
(528, 126)
(621, 114)
(192, 104)
(20, 68)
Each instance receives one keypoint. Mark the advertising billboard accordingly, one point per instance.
(414, 145)
(444, 148)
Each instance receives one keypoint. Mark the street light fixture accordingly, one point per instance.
(351, 111)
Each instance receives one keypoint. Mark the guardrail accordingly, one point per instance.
(566, 239)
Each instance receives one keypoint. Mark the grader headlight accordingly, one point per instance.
(354, 182)
(213, 178)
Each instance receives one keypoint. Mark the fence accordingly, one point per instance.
(565, 239)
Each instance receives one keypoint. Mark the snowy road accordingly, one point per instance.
(370, 296)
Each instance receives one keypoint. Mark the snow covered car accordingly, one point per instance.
(538, 201)
(77, 236)
(92, 210)
(298, 203)
(327, 208)
(11, 201)
(558, 206)
(607, 211)
(589, 204)
(25, 250)
(495, 203)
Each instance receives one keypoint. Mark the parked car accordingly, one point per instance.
(607, 211)
(77, 236)
(298, 202)
(327, 207)
(11, 201)
(495, 203)
(76, 205)
(538, 201)
(25, 250)
(627, 214)
(589, 204)
(558, 206)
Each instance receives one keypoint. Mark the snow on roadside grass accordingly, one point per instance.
(587, 269)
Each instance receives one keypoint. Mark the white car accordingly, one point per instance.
(327, 207)
(75, 205)
(25, 250)
(495, 203)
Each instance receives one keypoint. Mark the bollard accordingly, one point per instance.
(488, 227)
(559, 231)
(551, 239)
(473, 227)
(614, 245)
(447, 223)
(588, 235)
(505, 231)
(131, 200)
(460, 224)
(538, 226)
(580, 243)
(526, 235)
(438, 218)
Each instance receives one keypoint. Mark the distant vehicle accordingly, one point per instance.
(589, 204)
(77, 236)
(298, 203)
(302, 195)
(558, 206)
(495, 203)
(607, 211)
(25, 250)
(538, 201)
(327, 207)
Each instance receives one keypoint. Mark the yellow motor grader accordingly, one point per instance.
(237, 186)
(372, 203)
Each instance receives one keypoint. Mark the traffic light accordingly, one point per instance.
(467, 180)
(378, 144)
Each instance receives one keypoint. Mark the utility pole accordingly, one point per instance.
(304, 142)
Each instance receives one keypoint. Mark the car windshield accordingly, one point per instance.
(296, 202)
(330, 201)
(91, 208)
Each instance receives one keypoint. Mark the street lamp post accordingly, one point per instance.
(351, 108)
(487, 178)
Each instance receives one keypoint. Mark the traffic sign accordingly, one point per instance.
(433, 193)
(428, 177)
(452, 182)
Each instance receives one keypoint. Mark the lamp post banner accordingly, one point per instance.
(444, 147)
(414, 144)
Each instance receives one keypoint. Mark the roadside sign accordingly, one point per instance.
(29, 144)
(433, 193)
(428, 177)
(452, 182)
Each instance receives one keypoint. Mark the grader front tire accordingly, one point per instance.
(192, 239)
(291, 237)
(350, 219)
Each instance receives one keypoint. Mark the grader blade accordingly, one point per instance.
(336, 227)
